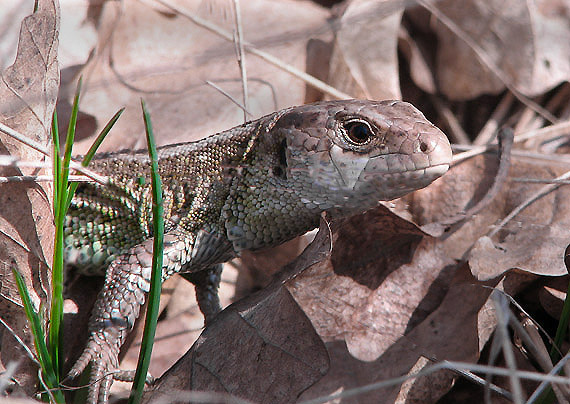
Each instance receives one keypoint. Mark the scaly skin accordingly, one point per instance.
(250, 187)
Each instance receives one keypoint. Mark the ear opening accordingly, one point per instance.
(280, 169)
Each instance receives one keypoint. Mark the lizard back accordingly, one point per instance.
(106, 220)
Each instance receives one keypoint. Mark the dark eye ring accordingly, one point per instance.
(358, 132)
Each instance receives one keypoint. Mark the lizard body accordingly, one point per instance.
(251, 187)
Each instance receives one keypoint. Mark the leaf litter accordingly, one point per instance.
(28, 91)
(374, 297)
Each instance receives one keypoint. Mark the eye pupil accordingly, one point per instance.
(358, 132)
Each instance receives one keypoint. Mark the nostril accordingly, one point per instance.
(424, 147)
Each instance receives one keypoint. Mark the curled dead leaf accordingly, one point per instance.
(28, 91)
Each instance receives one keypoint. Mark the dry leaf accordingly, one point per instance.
(381, 282)
(265, 339)
(388, 297)
(449, 332)
(421, 68)
(368, 292)
(168, 65)
(528, 43)
(78, 34)
(364, 61)
(10, 11)
(534, 241)
(553, 294)
(28, 92)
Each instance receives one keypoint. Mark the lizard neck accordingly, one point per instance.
(256, 217)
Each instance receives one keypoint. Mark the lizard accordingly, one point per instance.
(251, 187)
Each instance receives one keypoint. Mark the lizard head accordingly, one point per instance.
(338, 156)
(351, 154)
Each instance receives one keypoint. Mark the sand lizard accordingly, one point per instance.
(253, 186)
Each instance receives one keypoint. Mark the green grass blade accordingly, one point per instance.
(562, 328)
(51, 377)
(93, 149)
(56, 311)
(91, 152)
(48, 350)
(156, 277)
(56, 160)
(34, 320)
(69, 141)
(548, 395)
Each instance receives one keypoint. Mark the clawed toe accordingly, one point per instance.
(103, 357)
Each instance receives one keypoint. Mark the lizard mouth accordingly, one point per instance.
(392, 184)
(432, 172)
(413, 167)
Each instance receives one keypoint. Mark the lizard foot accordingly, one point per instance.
(104, 359)
(129, 376)
(103, 355)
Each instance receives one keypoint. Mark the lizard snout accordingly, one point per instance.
(435, 146)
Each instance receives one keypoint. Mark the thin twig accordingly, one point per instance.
(486, 134)
(478, 380)
(545, 383)
(14, 134)
(28, 351)
(548, 132)
(552, 131)
(523, 311)
(46, 389)
(542, 192)
(41, 178)
(7, 160)
(473, 151)
(502, 313)
(241, 58)
(307, 78)
(450, 365)
(40, 148)
(542, 181)
(531, 341)
(559, 98)
(457, 133)
(6, 379)
(558, 158)
(534, 344)
(230, 97)
(505, 144)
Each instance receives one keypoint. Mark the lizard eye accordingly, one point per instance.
(358, 132)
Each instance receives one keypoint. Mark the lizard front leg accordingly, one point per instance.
(116, 309)
(118, 305)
